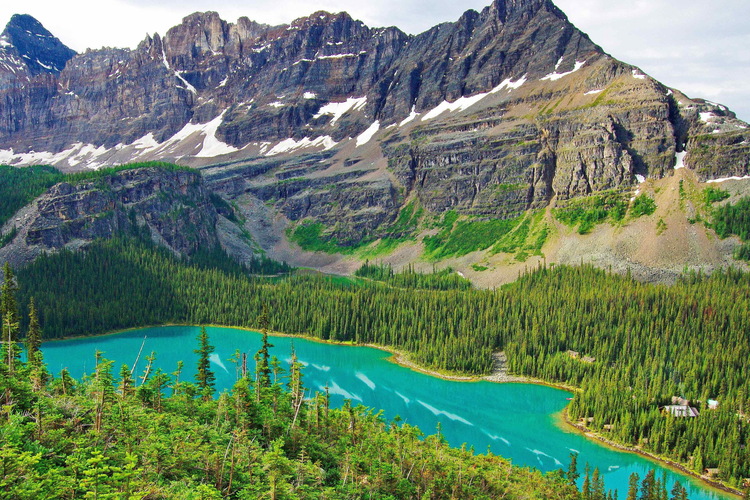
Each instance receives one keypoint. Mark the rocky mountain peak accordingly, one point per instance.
(39, 49)
(511, 9)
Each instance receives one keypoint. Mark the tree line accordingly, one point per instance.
(630, 346)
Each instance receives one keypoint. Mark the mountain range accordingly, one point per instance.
(326, 134)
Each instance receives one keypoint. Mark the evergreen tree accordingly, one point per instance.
(573, 473)
(205, 377)
(679, 492)
(263, 356)
(34, 336)
(649, 489)
(9, 317)
(586, 489)
(633, 487)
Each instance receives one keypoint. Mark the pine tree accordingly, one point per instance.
(34, 336)
(678, 492)
(633, 487)
(573, 474)
(9, 317)
(648, 486)
(126, 386)
(205, 377)
(586, 489)
(263, 356)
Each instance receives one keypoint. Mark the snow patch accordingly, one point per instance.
(638, 75)
(339, 109)
(679, 160)
(509, 84)
(212, 146)
(309, 95)
(592, 92)
(338, 56)
(365, 136)
(277, 104)
(409, 118)
(556, 76)
(288, 145)
(459, 104)
(641, 179)
(223, 82)
(725, 179)
(707, 117)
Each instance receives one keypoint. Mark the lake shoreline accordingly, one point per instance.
(595, 436)
(498, 375)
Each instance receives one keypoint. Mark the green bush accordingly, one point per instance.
(643, 205)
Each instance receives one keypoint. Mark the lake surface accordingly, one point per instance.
(517, 421)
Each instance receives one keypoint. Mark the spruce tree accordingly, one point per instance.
(34, 336)
(263, 356)
(9, 317)
(205, 377)
(633, 487)
(573, 474)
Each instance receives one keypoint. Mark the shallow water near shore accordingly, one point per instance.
(517, 421)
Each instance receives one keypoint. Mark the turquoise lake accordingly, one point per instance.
(517, 421)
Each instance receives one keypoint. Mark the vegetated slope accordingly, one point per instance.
(168, 203)
(111, 436)
(631, 339)
(326, 123)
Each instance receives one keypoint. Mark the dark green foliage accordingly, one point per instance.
(743, 252)
(585, 213)
(218, 259)
(714, 195)
(204, 376)
(642, 205)
(18, 186)
(108, 171)
(8, 237)
(643, 338)
(444, 279)
(733, 219)
(573, 474)
(92, 441)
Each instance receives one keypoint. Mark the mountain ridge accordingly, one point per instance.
(327, 121)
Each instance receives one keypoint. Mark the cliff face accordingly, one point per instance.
(501, 111)
(174, 207)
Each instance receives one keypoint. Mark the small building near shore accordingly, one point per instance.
(682, 411)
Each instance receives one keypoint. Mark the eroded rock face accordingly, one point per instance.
(173, 206)
(494, 114)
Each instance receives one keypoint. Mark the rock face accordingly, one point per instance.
(174, 207)
(327, 119)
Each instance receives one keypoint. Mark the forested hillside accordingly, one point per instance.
(159, 436)
(631, 346)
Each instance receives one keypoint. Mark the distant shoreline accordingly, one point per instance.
(593, 435)
(499, 375)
